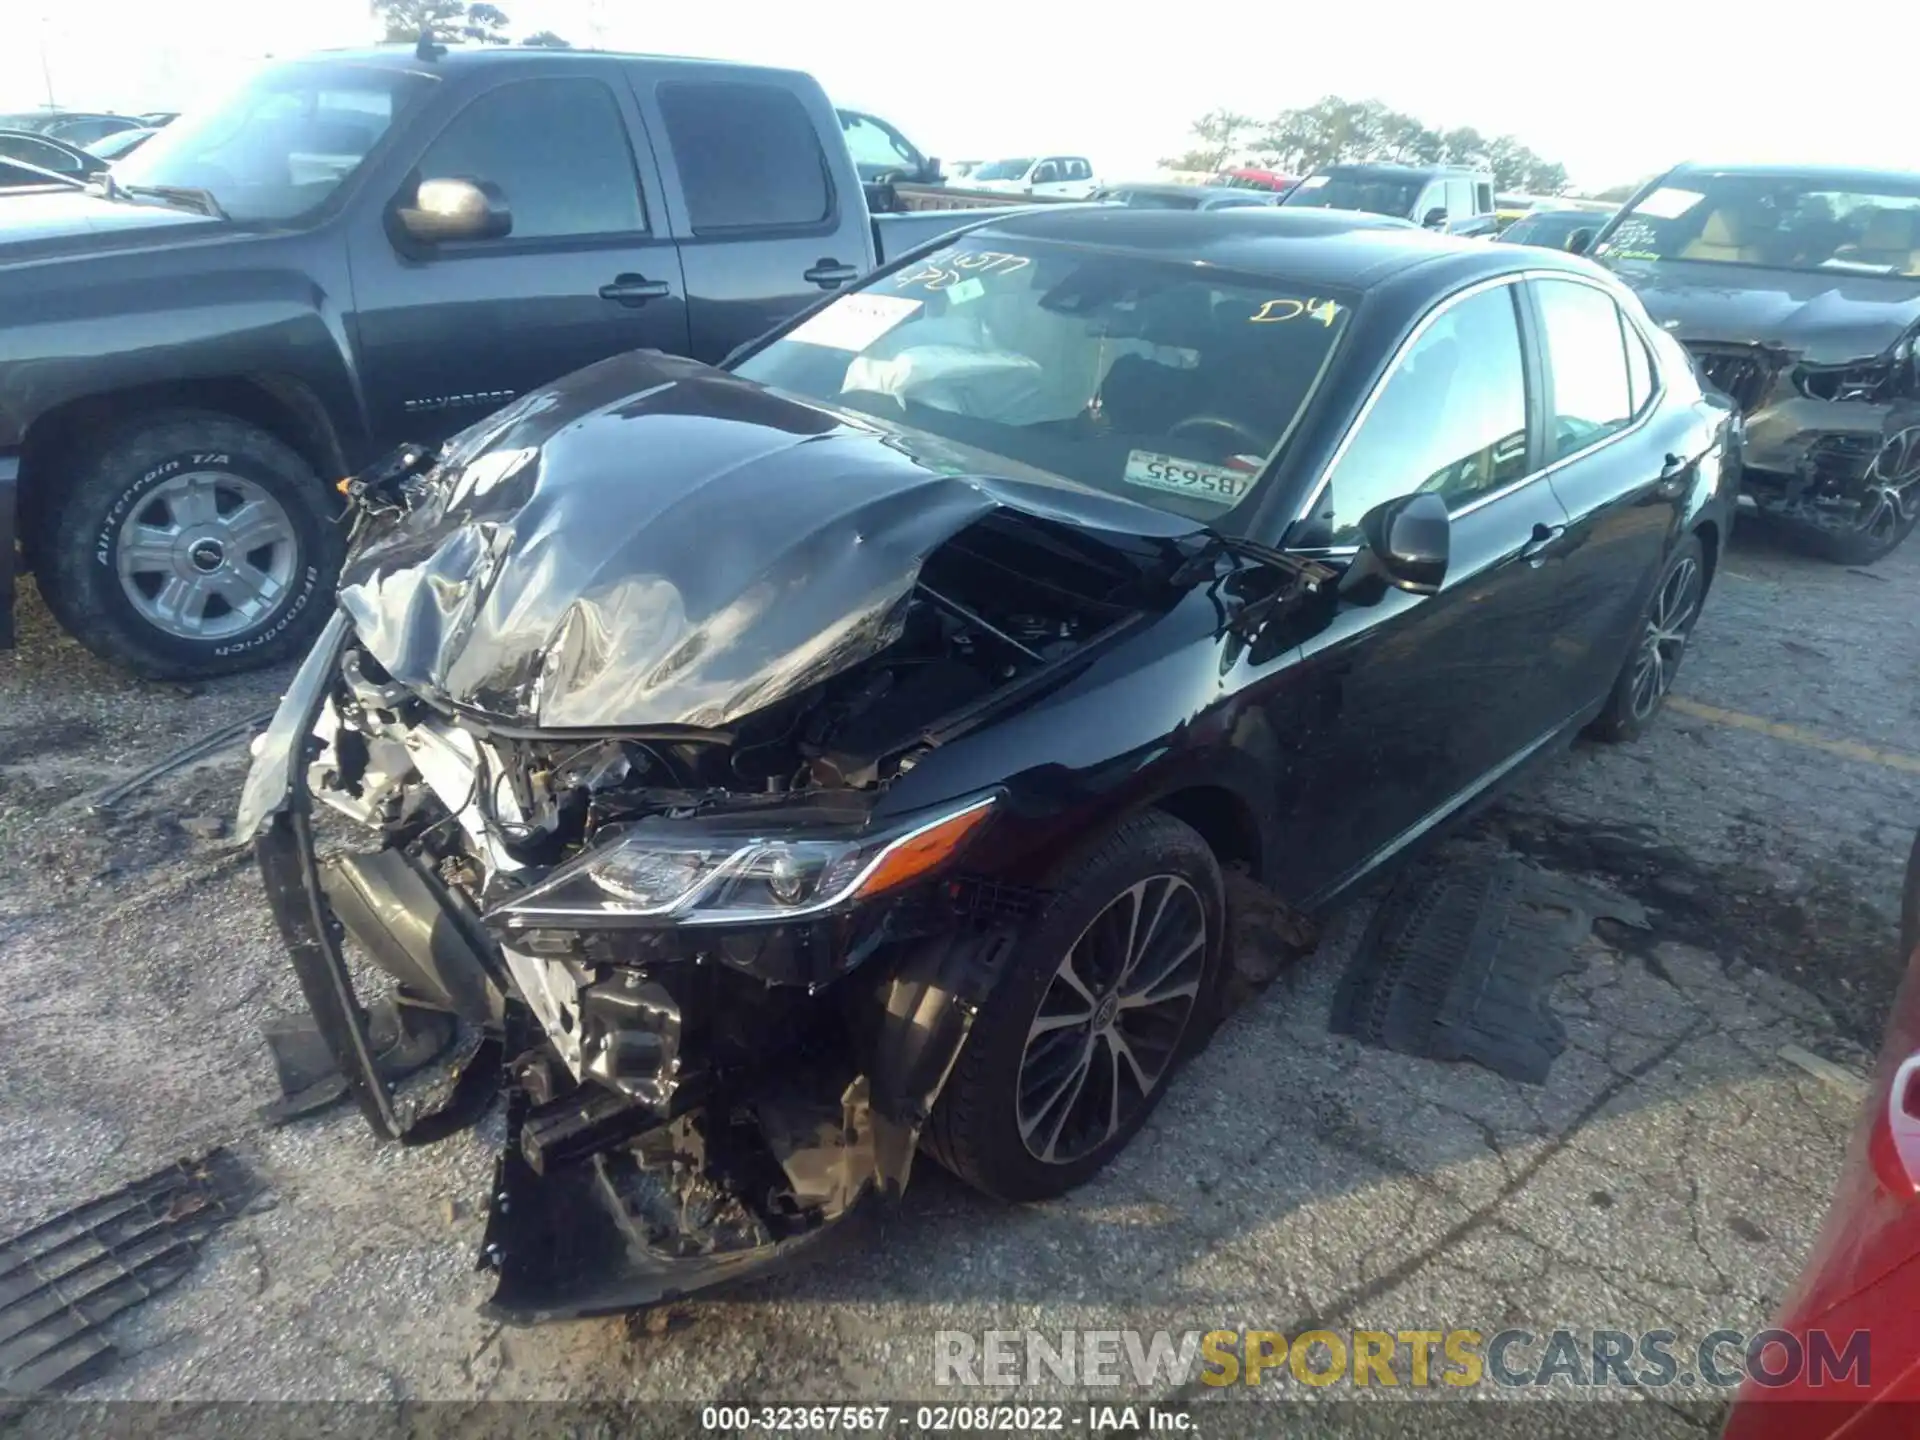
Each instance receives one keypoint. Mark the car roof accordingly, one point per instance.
(1359, 167)
(402, 56)
(1339, 248)
(1842, 176)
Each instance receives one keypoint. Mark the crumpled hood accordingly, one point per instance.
(655, 542)
(1820, 318)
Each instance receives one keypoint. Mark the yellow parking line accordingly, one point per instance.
(1845, 749)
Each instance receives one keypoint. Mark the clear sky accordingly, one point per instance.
(1611, 91)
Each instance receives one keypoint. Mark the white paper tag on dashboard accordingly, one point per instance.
(1187, 477)
(853, 322)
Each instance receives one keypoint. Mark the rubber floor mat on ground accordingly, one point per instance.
(64, 1278)
(1455, 963)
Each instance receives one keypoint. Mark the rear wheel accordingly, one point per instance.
(1665, 628)
(1107, 991)
(190, 545)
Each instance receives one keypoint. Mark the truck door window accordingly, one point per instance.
(748, 156)
(1592, 393)
(558, 151)
(1047, 172)
(1483, 199)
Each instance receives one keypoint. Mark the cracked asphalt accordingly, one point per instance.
(1671, 1173)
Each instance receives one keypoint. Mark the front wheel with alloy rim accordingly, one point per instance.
(1659, 645)
(1105, 994)
(1887, 509)
(190, 545)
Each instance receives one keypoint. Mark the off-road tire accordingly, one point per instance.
(1616, 722)
(79, 531)
(973, 1131)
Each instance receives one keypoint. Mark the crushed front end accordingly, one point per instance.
(619, 806)
(1833, 449)
(721, 1015)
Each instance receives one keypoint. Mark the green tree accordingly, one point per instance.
(1221, 134)
(546, 40)
(450, 22)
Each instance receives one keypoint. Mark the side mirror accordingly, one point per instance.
(456, 210)
(931, 173)
(1436, 218)
(1406, 543)
(1581, 240)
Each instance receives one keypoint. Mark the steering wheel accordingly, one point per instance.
(1244, 440)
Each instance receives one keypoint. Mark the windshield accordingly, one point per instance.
(1376, 194)
(1154, 199)
(278, 147)
(1003, 169)
(1552, 231)
(1139, 377)
(1783, 222)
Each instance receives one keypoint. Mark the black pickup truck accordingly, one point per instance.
(360, 249)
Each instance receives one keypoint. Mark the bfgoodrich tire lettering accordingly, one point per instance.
(983, 1128)
(135, 558)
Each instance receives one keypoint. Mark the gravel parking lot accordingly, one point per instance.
(1672, 1172)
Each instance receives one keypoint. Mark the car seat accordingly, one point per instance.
(1889, 237)
(1725, 237)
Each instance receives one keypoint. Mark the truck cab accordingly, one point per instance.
(1054, 177)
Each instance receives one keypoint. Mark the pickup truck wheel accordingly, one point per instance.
(1658, 646)
(191, 545)
(1106, 992)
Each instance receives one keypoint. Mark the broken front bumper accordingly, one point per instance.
(605, 1201)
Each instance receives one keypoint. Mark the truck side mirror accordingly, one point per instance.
(1436, 218)
(931, 173)
(1581, 240)
(448, 209)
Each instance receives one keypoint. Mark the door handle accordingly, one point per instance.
(1673, 476)
(635, 290)
(830, 274)
(1903, 1119)
(1540, 545)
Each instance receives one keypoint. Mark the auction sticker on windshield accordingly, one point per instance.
(1187, 477)
(854, 322)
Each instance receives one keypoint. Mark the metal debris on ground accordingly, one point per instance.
(1456, 962)
(206, 745)
(65, 1278)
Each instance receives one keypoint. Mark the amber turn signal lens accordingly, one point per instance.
(918, 854)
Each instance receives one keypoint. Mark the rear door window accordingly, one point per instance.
(558, 151)
(1587, 359)
(748, 155)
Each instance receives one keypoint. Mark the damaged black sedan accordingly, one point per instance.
(781, 769)
(1797, 290)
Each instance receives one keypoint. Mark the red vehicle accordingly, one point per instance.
(1864, 1273)
(1245, 179)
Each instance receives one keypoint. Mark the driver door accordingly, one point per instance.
(1403, 711)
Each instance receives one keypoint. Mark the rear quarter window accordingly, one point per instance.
(748, 155)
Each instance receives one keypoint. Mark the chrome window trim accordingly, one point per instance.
(1414, 336)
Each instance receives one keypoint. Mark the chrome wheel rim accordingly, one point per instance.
(1110, 1021)
(1669, 621)
(206, 555)
(1893, 487)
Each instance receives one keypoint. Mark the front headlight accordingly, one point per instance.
(690, 872)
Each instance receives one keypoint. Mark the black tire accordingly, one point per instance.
(1627, 714)
(1851, 547)
(79, 549)
(974, 1130)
